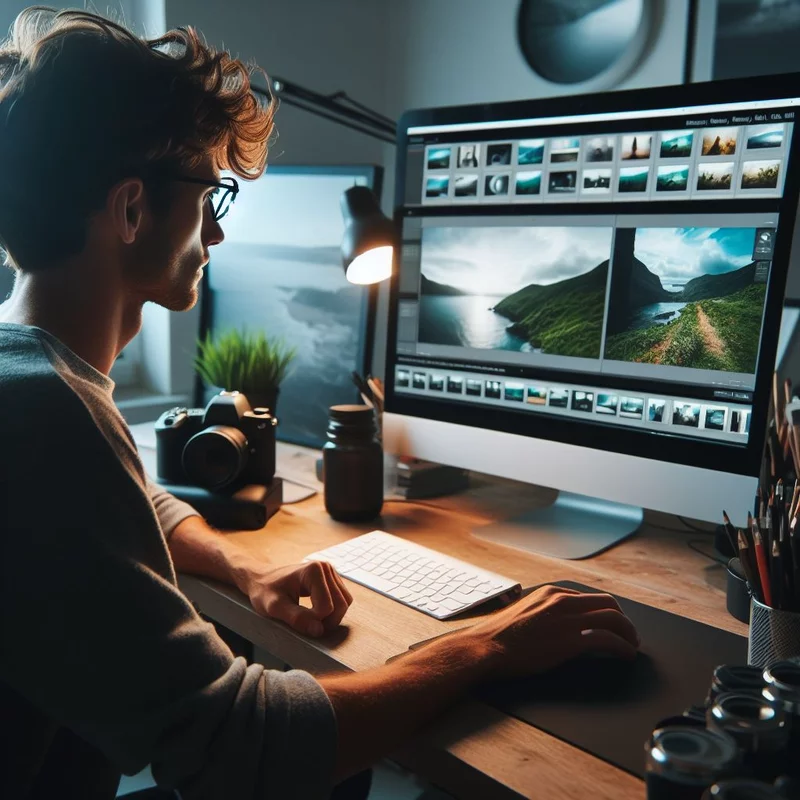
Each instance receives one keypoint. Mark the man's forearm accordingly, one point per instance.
(379, 709)
(198, 549)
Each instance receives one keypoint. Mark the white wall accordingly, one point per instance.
(324, 45)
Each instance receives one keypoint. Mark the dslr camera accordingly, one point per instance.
(223, 447)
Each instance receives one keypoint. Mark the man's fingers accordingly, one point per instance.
(343, 586)
(315, 582)
(297, 617)
(604, 641)
(328, 600)
(609, 620)
(585, 602)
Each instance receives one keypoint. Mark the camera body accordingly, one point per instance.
(221, 448)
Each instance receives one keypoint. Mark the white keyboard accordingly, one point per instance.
(415, 575)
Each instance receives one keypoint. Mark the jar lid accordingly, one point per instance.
(752, 721)
(351, 413)
(695, 754)
(738, 677)
(782, 681)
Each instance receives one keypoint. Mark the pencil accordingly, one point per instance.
(763, 568)
(749, 567)
(776, 577)
(730, 531)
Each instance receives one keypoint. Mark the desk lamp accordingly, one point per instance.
(368, 242)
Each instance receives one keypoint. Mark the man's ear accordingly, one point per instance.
(126, 207)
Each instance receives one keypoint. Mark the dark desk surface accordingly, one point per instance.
(474, 751)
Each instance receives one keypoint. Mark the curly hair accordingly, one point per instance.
(85, 103)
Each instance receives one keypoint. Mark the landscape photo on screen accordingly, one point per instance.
(515, 288)
(531, 151)
(438, 157)
(599, 148)
(676, 144)
(763, 137)
(686, 297)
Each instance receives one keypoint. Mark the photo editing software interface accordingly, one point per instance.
(639, 305)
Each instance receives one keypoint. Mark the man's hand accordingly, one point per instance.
(276, 592)
(551, 626)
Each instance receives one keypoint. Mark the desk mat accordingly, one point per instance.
(608, 707)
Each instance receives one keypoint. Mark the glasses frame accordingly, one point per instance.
(230, 188)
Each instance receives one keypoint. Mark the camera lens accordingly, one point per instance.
(215, 457)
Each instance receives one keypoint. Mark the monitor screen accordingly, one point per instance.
(279, 270)
(603, 271)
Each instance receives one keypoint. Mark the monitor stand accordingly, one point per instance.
(574, 526)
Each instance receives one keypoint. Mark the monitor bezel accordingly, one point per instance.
(366, 340)
(660, 446)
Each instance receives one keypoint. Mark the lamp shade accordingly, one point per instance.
(368, 241)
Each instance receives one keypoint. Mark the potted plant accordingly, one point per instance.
(251, 363)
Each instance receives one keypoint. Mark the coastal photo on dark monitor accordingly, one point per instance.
(525, 289)
(496, 185)
(686, 414)
(562, 182)
(760, 174)
(531, 151)
(465, 186)
(498, 155)
(607, 403)
(562, 150)
(279, 270)
(719, 142)
(715, 177)
(633, 179)
(686, 297)
(655, 410)
(438, 157)
(437, 187)
(599, 148)
(676, 144)
(636, 147)
(559, 398)
(529, 182)
(537, 395)
(672, 179)
(764, 137)
(596, 181)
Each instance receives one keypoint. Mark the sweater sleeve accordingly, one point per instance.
(169, 510)
(94, 632)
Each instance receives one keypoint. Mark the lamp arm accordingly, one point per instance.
(333, 108)
(379, 118)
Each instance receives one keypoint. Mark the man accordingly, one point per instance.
(110, 197)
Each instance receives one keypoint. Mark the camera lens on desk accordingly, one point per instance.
(782, 688)
(353, 464)
(682, 762)
(735, 678)
(742, 789)
(759, 728)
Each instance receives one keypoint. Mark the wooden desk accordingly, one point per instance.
(474, 751)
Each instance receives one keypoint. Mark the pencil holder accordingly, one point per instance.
(774, 635)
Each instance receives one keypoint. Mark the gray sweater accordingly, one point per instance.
(105, 667)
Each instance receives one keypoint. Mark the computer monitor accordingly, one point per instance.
(279, 270)
(587, 296)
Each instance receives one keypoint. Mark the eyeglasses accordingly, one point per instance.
(221, 199)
